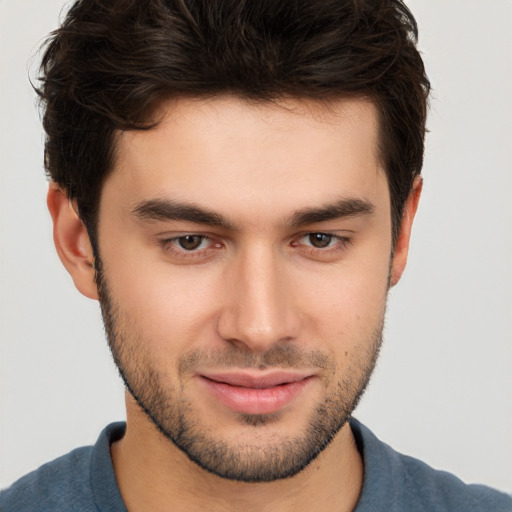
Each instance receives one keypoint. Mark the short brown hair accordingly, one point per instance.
(112, 61)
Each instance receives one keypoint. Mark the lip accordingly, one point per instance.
(256, 393)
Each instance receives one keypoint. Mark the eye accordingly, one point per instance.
(188, 245)
(320, 240)
(191, 242)
(322, 246)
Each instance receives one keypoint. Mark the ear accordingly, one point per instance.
(72, 241)
(404, 236)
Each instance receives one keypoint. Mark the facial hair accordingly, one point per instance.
(262, 459)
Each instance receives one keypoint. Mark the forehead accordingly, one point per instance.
(228, 154)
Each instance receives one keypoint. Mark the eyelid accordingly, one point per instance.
(341, 244)
(331, 235)
(335, 233)
(175, 238)
(168, 243)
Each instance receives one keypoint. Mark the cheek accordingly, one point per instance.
(174, 305)
(167, 307)
(347, 305)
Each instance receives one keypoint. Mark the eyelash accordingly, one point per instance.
(340, 244)
(171, 245)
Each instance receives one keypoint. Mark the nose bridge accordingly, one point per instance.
(258, 312)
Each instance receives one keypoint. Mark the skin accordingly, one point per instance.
(253, 284)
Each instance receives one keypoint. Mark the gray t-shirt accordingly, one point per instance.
(84, 480)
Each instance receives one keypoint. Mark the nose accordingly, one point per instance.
(258, 310)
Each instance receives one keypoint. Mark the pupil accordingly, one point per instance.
(320, 240)
(190, 242)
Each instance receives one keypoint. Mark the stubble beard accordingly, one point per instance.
(265, 459)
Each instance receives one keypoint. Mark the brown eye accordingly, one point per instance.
(319, 240)
(190, 242)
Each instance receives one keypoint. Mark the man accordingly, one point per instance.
(236, 183)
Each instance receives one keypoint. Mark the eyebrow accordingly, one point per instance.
(343, 208)
(165, 210)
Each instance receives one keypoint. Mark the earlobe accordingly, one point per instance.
(72, 241)
(402, 243)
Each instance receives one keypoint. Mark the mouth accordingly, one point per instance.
(256, 393)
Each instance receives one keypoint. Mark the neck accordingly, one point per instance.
(153, 475)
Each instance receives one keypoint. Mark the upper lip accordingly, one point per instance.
(257, 380)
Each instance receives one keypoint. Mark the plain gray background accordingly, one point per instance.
(443, 388)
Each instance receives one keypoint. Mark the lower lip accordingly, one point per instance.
(256, 401)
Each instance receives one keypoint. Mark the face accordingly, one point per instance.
(245, 265)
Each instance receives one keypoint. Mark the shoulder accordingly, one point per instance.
(83, 480)
(406, 483)
(58, 485)
(441, 490)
